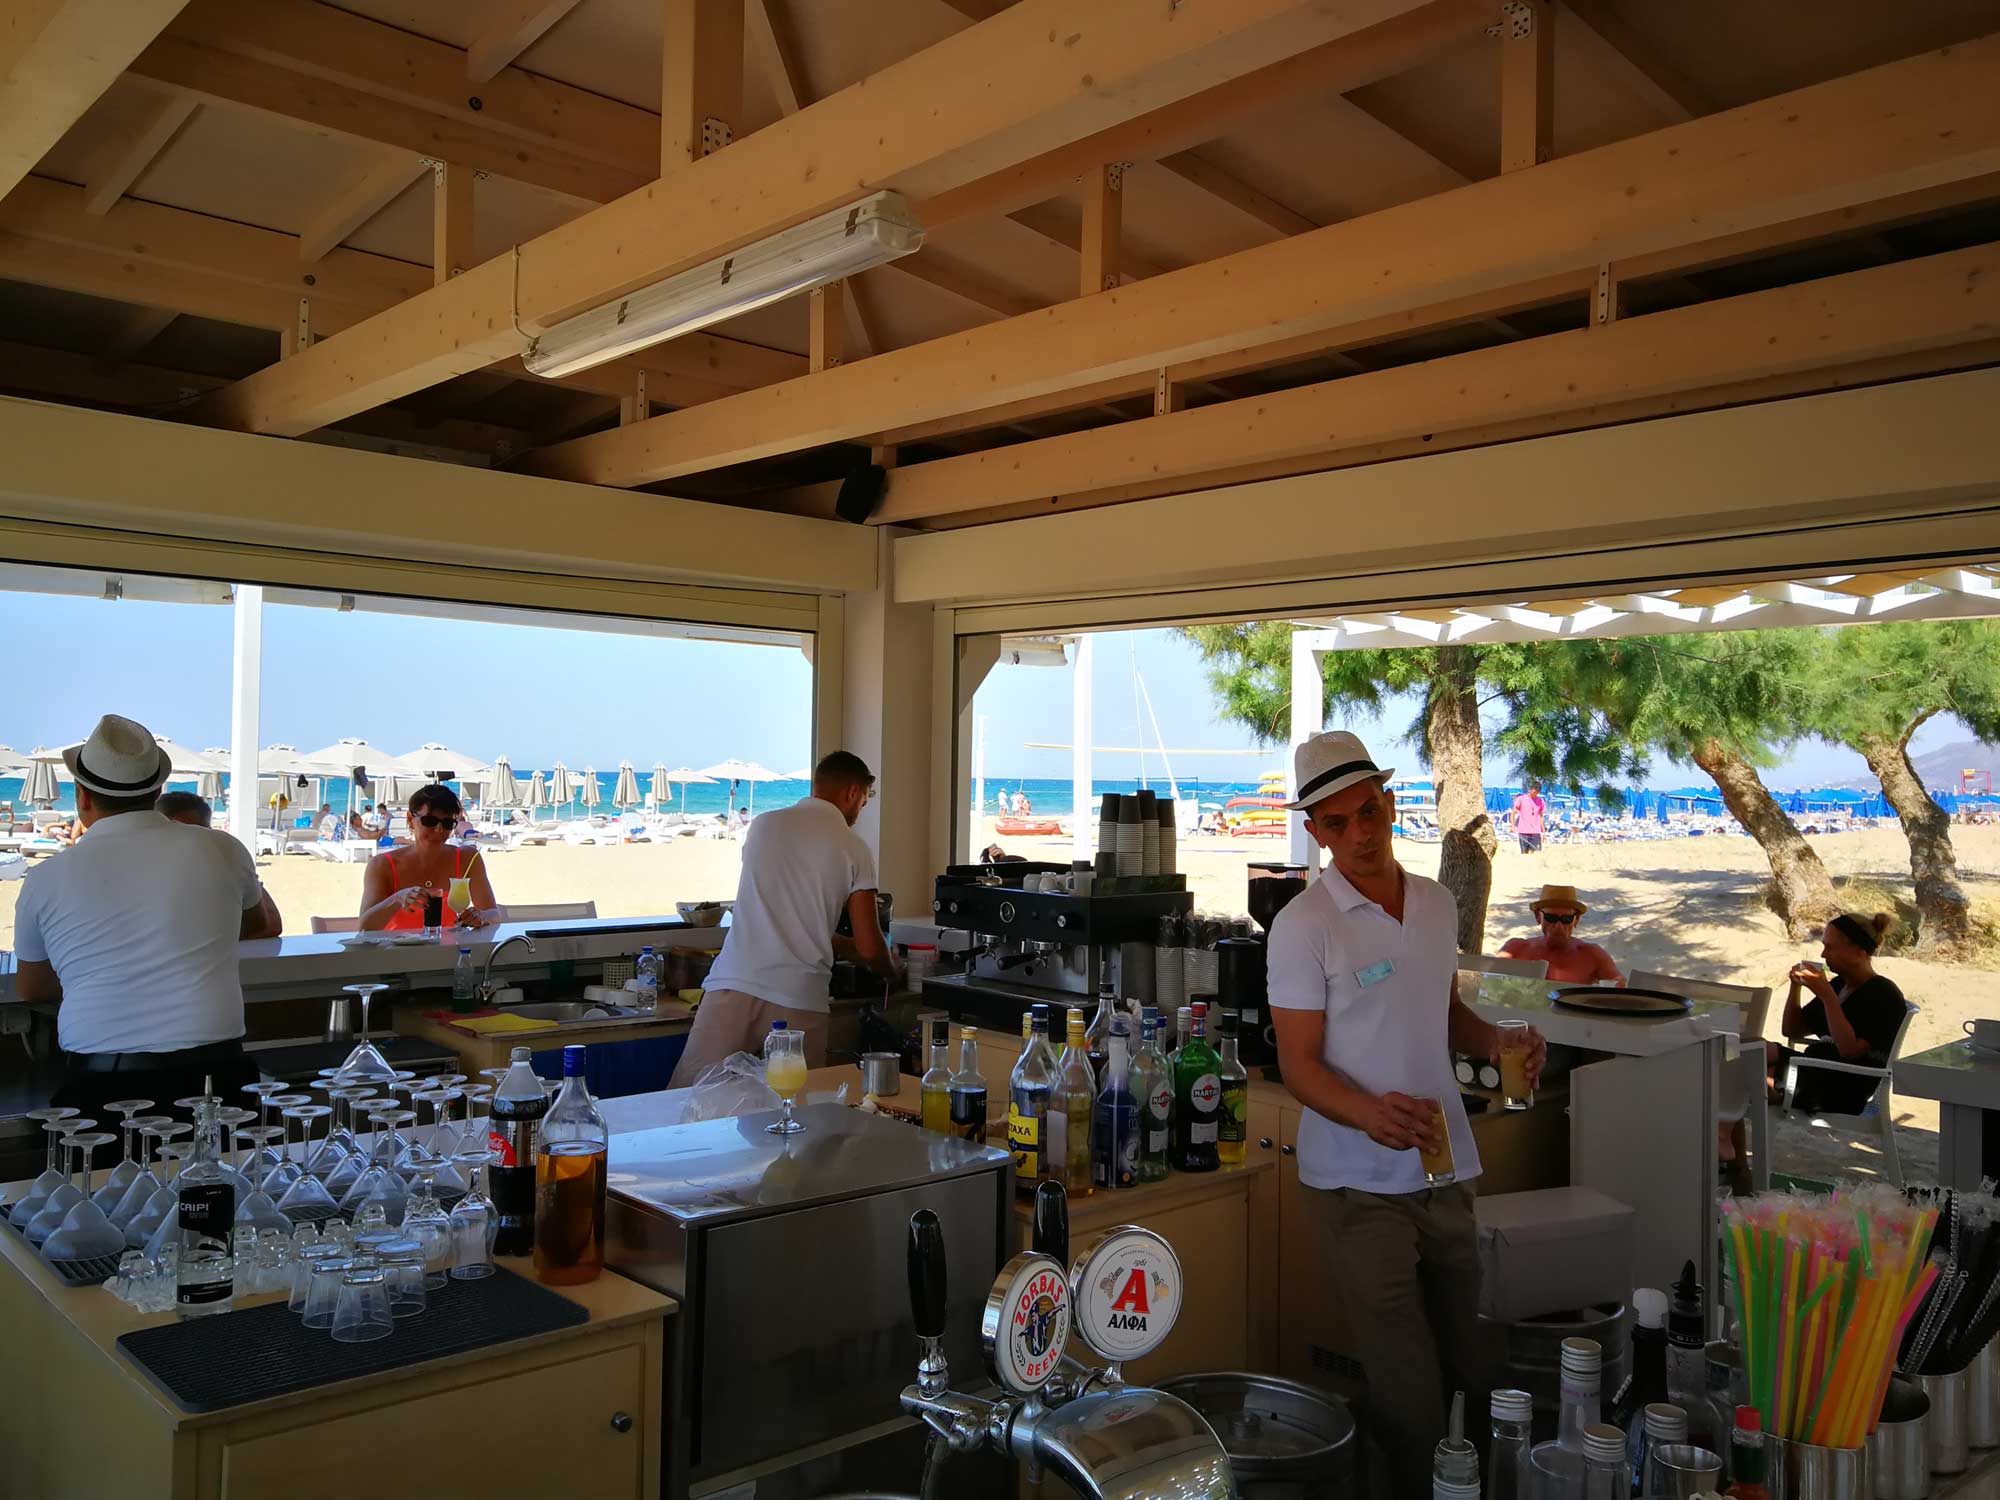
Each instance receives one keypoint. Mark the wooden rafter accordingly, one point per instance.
(1920, 121)
(967, 283)
(701, 97)
(110, 178)
(142, 325)
(1037, 74)
(1527, 84)
(1226, 187)
(1673, 91)
(57, 57)
(451, 221)
(1058, 223)
(357, 199)
(1102, 248)
(1934, 302)
(517, 27)
(1398, 121)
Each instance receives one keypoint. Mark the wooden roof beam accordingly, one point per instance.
(359, 198)
(520, 24)
(1527, 84)
(967, 283)
(57, 57)
(701, 94)
(1673, 92)
(1914, 123)
(1936, 302)
(1037, 75)
(110, 178)
(1397, 120)
(141, 327)
(1226, 187)
(1055, 223)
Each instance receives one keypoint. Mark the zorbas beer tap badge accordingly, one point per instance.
(1128, 1293)
(1034, 1313)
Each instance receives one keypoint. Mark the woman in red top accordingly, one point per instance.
(397, 880)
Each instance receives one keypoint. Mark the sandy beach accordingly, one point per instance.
(1691, 907)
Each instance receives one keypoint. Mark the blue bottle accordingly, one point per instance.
(1114, 1136)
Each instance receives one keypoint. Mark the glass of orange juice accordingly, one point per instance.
(785, 1072)
(1515, 1046)
(459, 894)
(1437, 1163)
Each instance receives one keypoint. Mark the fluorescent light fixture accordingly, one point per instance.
(879, 228)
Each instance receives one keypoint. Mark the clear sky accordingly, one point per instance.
(536, 695)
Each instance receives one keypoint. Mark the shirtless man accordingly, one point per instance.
(1570, 962)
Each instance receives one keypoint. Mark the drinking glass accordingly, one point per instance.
(128, 1282)
(141, 1227)
(472, 1223)
(307, 1197)
(258, 1208)
(149, 1129)
(1515, 1047)
(30, 1203)
(361, 1312)
(56, 1207)
(108, 1196)
(416, 1151)
(446, 1142)
(85, 1230)
(473, 1132)
(426, 1222)
(267, 1160)
(356, 1101)
(273, 1270)
(366, 1061)
(785, 1072)
(379, 1181)
(402, 1263)
(323, 1290)
(305, 1261)
(1437, 1164)
(285, 1168)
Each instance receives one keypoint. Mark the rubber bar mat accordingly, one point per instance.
(93, 1270)
(210, 1364)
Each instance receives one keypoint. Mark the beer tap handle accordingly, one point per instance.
(1051, 1225)
(927, 1284)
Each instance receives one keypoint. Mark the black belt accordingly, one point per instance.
(136, 1062)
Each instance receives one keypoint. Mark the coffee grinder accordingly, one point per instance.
(1239, 962)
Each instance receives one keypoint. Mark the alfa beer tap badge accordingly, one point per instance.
(1027, 1323)
(1128, 1293)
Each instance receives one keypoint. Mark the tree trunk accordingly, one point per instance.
(1457, 756)
(1942, 915)
(1801, 893)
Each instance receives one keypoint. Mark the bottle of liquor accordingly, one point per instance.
(968, 1091)
(1114, 1146)
(1455, 1462)
(1648, 1382)
(1606, 1475)
(518, 1107)
(1197, 1099)
(570, 1182)
(1747, 1457)
(1028, 1089)
(934, 1093)
(1100, 1025)
(1183, 1024)
(1072, 1107)
(1507, 1474)
(1582, 1391)
(1687, 1352)
(1153, 1088)
(1232, 1142)
(205, 1281)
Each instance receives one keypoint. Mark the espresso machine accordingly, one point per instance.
(1034, 946)
(1239, 961)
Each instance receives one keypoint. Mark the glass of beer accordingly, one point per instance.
(785, 1072)
(1437, 1163)
(1515, 1047)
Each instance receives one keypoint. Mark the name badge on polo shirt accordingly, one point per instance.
(1375, 973)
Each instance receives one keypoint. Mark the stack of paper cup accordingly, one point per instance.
(1107, 824)
(1201, 966)
(1169, 855)
(1169, 965)
(1149, 834)
(1130, 850)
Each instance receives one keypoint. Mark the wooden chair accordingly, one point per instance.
(1752, 1001)
(1882, 1105)
(1493, 963)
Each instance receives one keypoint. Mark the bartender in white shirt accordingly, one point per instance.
(1362, 970)
(134, 933)
(802, 867)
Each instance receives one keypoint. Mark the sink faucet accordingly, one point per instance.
(486, 986)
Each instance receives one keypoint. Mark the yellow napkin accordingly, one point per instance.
(486, 1025)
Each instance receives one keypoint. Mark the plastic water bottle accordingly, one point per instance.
(648, 997)
(464, 984)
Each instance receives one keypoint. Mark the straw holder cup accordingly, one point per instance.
(1806, 1471)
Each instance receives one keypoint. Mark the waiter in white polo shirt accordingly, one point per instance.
(1362, 973)
(803, 866)
(133, 932)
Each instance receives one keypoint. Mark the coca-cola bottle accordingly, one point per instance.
(518, 1107)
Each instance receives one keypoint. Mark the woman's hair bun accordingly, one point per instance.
(1882, 922)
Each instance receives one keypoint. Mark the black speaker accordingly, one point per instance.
(860, 493)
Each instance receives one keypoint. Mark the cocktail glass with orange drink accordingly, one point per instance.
(785, 1072)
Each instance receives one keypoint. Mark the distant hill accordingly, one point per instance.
(1940, 768)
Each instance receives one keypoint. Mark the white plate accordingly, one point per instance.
(363, 939)
(412, 940)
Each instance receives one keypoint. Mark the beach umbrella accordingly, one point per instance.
(562, 786)
(733, 771)
(684, 776)
(503, 791)
(208, 786)
(626, 793)
(434, 762)
(14, 763)
(805, 775)
(538, 793)
(588, 789)
(39, 787)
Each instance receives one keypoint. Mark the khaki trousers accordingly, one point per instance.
(729, 1021)
(1405, 1276)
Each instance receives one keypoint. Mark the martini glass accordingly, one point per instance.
(474, 1133)
(285, 1168)
(426, 1222)
(354, 1158)
(339, 1141)
(446, 1143)
(420, 1149)
(379, 1182)
(146, 1183)
(139, 1228)
(230, 1120)
(307, 1197)
(266, 1160)
(85, 1231)
(366, 1060)
(258, 1209)
(112, 1193)
(56, 1207)
(472, 1223)
(30, 1203)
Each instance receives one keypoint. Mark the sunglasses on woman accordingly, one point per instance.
(447, 821)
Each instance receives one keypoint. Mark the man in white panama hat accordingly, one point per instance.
(134, 932)
(1362, 974)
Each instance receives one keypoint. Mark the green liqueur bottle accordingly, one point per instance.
(1197, 1099)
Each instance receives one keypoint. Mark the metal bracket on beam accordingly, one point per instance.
(1604, 305)
(715, 134)
(1114, 175)
(1517, 21)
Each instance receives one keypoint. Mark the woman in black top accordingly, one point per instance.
(1855, 1010)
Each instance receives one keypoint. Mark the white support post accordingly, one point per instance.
(1308, 719)
(978, 780)
(246, 692)
(1083, 833)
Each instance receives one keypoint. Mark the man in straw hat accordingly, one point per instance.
(1363, 987)
(1558, 913)
(134, 933)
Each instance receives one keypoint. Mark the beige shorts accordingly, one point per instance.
(729, 1021)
